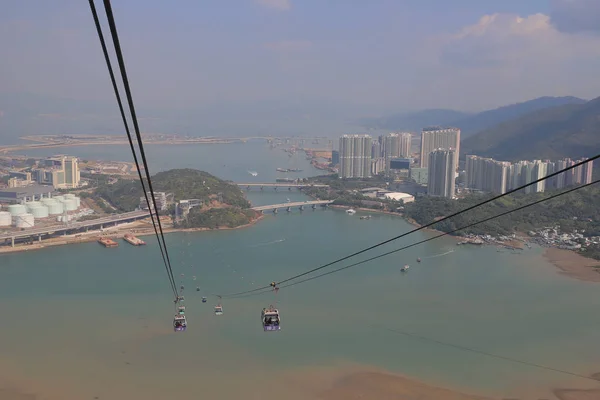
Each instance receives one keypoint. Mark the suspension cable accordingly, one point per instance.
(427, 240)
(420, 227)
(161, 244)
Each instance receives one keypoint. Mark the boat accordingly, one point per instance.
(253, 173)
(350, 211)
(365, 217)
(418, 259)
(294, 170)
(270, 319)
(281, 169)
(284, 180)
(405, 268)
(129, 238)
(108, 242)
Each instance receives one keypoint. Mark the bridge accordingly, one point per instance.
(75, 226)
(282, 185)
(288, 206)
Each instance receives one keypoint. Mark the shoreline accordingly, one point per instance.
(138, 229)
(569, 263)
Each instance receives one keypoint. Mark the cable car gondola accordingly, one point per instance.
(219, 310)
(181, 310)
(204, 299)
(179, 323)
(270, 319)
(197, 288)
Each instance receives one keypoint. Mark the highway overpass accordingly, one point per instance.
(293, 204)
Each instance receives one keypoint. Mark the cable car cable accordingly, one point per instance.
(162, 245)
(428, 239)
(422, 226)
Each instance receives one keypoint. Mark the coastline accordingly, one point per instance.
(138, 228)
(573, 265)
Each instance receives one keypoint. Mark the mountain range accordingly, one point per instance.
(569, 130)
(469, 123)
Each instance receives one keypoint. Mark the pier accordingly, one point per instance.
(299, 204)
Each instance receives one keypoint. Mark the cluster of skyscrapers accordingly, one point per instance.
(487, 174)
(361, 156)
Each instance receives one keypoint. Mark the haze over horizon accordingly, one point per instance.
(289, 65)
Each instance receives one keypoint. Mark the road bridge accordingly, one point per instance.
(281, 185)
(301, 204)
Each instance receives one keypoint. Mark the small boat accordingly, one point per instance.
(350, 211)
(405, 268)
(219, 310)
(365, 217)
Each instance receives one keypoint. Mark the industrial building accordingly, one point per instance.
(24, 215)
(62, 172)
(25, 193)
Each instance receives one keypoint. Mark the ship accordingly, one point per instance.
(281, 169)
(133, 240)
(285, 180)
(294, 170)
(108, 242)
(253, 173)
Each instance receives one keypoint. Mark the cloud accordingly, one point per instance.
(282, 5)
(501, 40)
(289, 45)
(573, 16)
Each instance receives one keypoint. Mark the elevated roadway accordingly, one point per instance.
(293, 204)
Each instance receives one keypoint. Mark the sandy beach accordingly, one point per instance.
(574, 265)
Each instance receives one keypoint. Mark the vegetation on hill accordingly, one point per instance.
(565, 131)
(222, 204)
(578, 210)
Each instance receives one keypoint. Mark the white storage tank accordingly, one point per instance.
(70, 204)
(48, 200)
(77, 201)
(17, 209)
(39, 212)
(24, 221)
(69, 196)
(55, 208)
(5, 218)
(32, 204)
(59, 198)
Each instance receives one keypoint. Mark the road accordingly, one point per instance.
(293, 204)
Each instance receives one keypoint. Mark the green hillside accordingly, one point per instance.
(571, 130)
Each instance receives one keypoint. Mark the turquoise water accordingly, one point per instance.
(83, 321)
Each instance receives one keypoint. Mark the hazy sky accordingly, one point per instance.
(381, 54)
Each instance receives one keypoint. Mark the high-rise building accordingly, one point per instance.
(441, 173)
(436, 138)
(335, 157)
(62, 172)
(355, 156)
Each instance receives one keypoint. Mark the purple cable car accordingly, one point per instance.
(270, 319)
(179, 323)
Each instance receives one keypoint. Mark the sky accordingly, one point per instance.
(253, 58)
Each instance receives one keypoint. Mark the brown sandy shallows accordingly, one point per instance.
(574, 265)
(383, 386)
(577, 394)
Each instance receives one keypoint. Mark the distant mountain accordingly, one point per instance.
(487, 119)
(414, 121)
(571, 130)
(469, 123)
